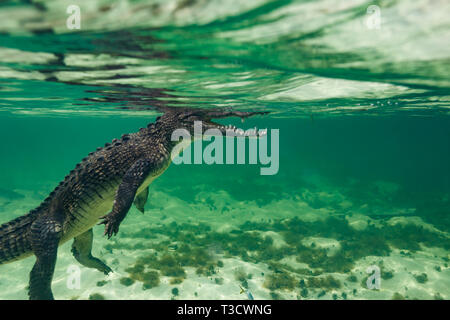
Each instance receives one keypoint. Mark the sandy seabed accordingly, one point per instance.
(418, 274)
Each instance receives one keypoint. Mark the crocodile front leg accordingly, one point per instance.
(81, 249)
(141, 200)
(125, 195)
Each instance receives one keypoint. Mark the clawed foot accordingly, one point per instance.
(111, 225)
(104, 268)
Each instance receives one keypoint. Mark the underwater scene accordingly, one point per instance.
(348, 199)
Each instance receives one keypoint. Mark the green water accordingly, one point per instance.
(364, 144)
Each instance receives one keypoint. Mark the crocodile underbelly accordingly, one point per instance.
(89, 213)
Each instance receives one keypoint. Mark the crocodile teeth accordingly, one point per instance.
(237, 132)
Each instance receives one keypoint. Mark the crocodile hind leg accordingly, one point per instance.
(81, 249)
(45, 234)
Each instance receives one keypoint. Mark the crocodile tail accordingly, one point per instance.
(14, 243)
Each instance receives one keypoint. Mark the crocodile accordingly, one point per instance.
(100, 190)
